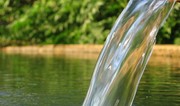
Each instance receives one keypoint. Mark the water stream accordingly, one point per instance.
(126, 52)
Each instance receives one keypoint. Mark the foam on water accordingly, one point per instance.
(126, 53)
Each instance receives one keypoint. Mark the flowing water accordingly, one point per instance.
(126, 53)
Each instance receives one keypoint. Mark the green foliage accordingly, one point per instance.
(170, 33)
(67, 21)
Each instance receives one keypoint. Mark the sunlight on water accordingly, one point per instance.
(126, 52)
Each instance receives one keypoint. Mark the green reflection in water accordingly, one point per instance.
(35, 80)
(63, 81)
(159, 86)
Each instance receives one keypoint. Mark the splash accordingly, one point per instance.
(126, 52)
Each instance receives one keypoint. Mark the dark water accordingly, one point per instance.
(64, 81)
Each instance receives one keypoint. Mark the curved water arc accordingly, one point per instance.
(118, 65)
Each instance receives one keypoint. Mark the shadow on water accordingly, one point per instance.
(63, 81)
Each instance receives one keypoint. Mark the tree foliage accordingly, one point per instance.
(25, 22)
(170, 33)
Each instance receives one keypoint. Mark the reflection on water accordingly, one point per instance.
(63, 81)
(34, 80)
(159, 86)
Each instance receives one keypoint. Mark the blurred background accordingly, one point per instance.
(27, 22)
(49, 74)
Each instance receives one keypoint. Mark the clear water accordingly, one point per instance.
(126, 52)
(63, 81)
(43, 81)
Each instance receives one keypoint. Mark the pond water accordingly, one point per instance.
(64, 81)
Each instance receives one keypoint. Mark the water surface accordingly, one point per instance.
(64, 81)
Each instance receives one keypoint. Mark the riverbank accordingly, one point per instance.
(162, 54)
(93, 50)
